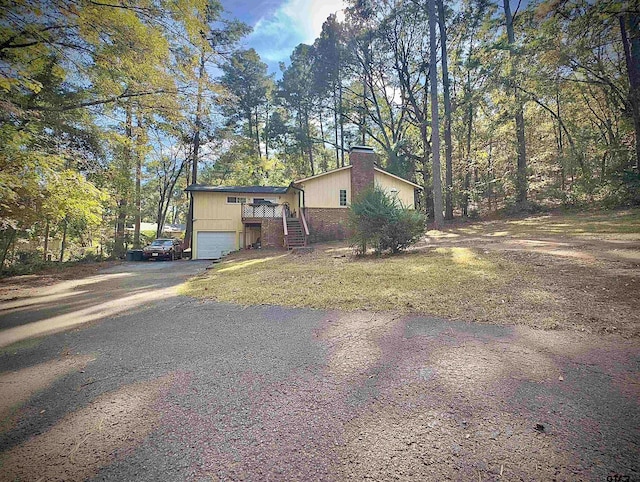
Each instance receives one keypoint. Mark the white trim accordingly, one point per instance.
(237, 197)
(323, 174)
(397, 177)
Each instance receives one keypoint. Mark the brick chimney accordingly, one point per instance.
(363, 162)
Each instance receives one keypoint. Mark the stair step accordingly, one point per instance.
(296, 237)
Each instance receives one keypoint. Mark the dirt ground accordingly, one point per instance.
(587, 266)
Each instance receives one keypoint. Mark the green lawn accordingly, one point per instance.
(450, 276)
(451, 282)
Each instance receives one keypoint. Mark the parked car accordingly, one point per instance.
(163, 249)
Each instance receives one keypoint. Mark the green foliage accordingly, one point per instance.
(27, 263)
(379, 221)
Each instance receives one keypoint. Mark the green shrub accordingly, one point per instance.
(379, 221)
(401, 232)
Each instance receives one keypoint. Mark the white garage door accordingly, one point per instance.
(213, 245)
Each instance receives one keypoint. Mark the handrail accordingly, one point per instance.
(259, 210)
(304, 223)
(284, 222)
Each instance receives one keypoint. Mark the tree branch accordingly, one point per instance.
(65, 108)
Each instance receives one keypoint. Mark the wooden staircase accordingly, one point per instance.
(295, 237)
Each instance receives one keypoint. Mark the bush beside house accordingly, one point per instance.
(379, 221)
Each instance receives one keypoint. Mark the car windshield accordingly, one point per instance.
(162, 242)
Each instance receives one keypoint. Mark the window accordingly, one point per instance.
(343, 197)
(236, 200)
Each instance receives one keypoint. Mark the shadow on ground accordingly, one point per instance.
(32, 312)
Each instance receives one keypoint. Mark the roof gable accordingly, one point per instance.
(382, 171)
(332, 171)
(377, 169)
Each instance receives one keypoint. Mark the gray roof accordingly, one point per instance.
(240, 189)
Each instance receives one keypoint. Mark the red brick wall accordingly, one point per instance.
(272, 233)
(327, 224)
(362, 172)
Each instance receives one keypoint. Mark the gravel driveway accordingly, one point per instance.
(178, 389)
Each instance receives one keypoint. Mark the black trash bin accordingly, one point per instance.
(130, 255)
(137, 255)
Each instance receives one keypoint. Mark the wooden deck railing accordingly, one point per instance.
(257, 210)
(304, 223)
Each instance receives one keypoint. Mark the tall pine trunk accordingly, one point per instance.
(438, 218)
(63, 245)
(123, 203)
(341, 123)
(46, 241)
(138, 200)
(307, 130)
(467, 169)
(426, 175)
(188, 235)
(266, 130)
(630, 24)
(335, 125)
(257, 133)
(448, 148)
(521, 172)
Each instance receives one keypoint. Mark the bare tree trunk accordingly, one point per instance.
(448, 148)
(118, 247)
(490, 174)
(46, 240)
(188, 234)
(159, 220)
(426, 176)
(363, 117)
(335, 125)
(64, 240)
(467, 168)
(257, 133)
(438, 218)
(309, 143)
(321, 125)
(632, 58)
(266, 130)
(138, 201)
(6, 247)
(341, 124)
(521, 172)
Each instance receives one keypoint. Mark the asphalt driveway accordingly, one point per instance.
(171, 388)
(26, 313)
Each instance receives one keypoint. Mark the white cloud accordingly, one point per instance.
(294, 21)
(309, 15)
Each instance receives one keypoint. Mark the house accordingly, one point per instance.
(227, 218)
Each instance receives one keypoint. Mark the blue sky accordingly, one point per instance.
(280, 25)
